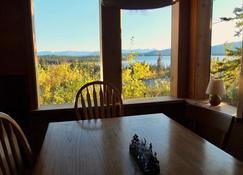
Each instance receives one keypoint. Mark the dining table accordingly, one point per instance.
(101, 147)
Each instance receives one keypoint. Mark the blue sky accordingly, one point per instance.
(224, 31)
(150, 28)
(62, 25)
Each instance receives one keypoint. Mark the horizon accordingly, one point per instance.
(141, 29)
(127, 49)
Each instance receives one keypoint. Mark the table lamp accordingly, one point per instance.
(215, 90)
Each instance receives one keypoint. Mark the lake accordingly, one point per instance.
(165, 60)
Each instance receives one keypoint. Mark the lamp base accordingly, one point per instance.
(214, 100)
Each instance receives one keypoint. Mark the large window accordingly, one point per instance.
(227, 45)
(67, 40)
(146, 53)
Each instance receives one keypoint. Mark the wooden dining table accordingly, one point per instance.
(101, 147)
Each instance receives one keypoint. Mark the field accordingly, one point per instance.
(61, 76)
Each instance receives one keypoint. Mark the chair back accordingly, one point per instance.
(98, 99)
(15, 152)
(233, 143)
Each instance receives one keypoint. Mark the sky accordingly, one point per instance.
(224, 31)
(73, 25)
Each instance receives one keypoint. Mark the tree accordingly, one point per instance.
(238, 16)
(228, 69)
(159, 65)
(133, 78)
(59, 83)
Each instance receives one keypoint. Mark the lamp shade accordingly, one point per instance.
(216, 87)
(137, 4)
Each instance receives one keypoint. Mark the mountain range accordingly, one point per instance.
(215, 50)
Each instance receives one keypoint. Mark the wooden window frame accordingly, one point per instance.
(191, 46)
(187, 49)
(110, 39)
(190, 58)
(111, 56)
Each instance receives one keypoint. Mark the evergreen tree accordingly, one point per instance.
(159, 65)
(228, 69)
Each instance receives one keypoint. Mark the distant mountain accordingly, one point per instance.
(220, 50)
(215, 50)
(83, 53)
(165, 52)
(68, 53)
(140, 51)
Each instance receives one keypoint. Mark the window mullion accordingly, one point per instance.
(110, 33)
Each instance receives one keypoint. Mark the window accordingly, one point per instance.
(146, 53)
(67, 39)
(68, 50)
(226, 46)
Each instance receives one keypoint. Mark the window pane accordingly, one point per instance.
(67, 39)
(146, 58)
(226, 46)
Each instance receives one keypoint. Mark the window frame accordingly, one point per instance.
(187, 34)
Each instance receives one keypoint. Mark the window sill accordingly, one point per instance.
(136, 101)
(55, 107)
(223, 108)
(163, 99)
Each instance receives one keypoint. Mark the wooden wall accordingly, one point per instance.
(180, 55)
(110, 36)
(200, 48)
(219, 127)
(209, 124)
(234, 141)
(191, 45)
(17, 70)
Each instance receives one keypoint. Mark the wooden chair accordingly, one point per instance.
(15, 152)
(233, 142)
(98, 99)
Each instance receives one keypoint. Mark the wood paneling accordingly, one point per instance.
(223, 108)
(200, 48)
(110, 26)
(16, 46)
(180, 48)
(191, 44)
(12, 34)
(31, 51)
(234, 141)
(14, 98)
(10, 97)
(209, 124)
